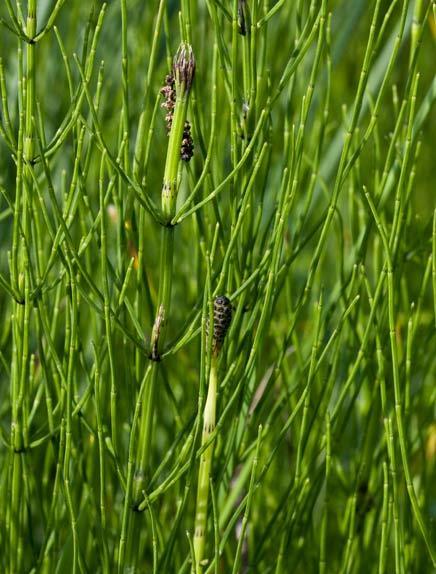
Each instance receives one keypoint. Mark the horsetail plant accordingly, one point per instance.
(183, 74)
(134, 436)
(183, 71)
(222, 316)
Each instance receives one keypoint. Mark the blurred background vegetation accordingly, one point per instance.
(359, 434)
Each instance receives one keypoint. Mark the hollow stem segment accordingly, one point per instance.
(183, 70)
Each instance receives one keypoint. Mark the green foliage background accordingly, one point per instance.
(328, 370)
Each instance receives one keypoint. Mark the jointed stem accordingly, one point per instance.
(209, 420)
(169, 192)
(184, 66)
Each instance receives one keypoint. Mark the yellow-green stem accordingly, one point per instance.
(209, 421)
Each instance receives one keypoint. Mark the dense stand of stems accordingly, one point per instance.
(308, 202)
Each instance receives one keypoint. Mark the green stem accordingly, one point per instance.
(169, 187)
(106, 295)
(162, 309)
(21, 282)
(396, 380)
(30, 81)
(183, 70)
(209, 420)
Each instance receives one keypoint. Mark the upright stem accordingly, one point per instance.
(169, 199)
(209, 421)
(30, 81)
(222, 316)
(184, 66)
(164, 298)
(21, 313)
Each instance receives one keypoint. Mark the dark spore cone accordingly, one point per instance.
(187, 148)
(168, 91)
(222, 316)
